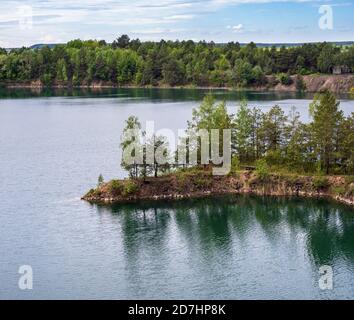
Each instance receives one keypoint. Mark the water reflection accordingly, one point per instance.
(155, 94)
(321, 229)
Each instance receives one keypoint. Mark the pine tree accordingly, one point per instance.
(326, 122)
(243, 132)
(132, 124)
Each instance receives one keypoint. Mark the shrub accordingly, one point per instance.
(116, 187)
(130, 188)
(47, 79)
(201, 182)
(262, 169)
(339, 190)
(349, 179)
(285, 79)
(304, 71)
(182, 180)
(258, 75)
(274, 157)
(300, 84)
(91, 192)
(320, 183)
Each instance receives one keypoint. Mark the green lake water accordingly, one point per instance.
(53, 146)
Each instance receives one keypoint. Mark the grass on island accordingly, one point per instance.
(196, 180)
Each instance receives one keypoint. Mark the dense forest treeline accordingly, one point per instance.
(269, 140)
(131, 62)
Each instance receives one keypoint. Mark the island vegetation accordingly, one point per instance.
(128, 62)
(272, 153)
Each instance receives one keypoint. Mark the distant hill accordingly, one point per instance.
(36, 46)
(260, 45)
(278, 45)
(41, 45)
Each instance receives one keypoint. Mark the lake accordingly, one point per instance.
(53, 146)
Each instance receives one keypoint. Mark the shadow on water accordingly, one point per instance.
(154, 94)
(212, 223)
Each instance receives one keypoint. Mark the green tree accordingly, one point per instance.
(326, 59)
(258, 76)
(256, 115)
(121, 42)
(346, 144)
(173, 62)
(173, 72)
(61, 73)
(273, 129)
(327, 118)
(243, 132)
(262, 169)
(243, 72)
(221, 75)
(210, 115)
(160, 147)
(296, 141)
(127, 139)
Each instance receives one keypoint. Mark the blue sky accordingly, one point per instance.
(56, 21)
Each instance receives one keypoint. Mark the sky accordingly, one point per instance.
(28, 22)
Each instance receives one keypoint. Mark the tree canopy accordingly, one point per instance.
(173, 63)
(275, 139)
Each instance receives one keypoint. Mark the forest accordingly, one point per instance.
(172, 63)
(271, 140)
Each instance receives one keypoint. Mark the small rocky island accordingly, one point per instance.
(199, 182)
(267, 153)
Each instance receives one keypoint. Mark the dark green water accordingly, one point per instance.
(240, 247)
(158, 94)
(52, 149)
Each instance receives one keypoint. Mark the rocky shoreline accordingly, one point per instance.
(203, 184)
(312, 83)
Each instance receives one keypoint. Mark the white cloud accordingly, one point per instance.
(180, 17)
(65, 19)
(105, 19)
(156, 31)
(229, 2)
(237, 28)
